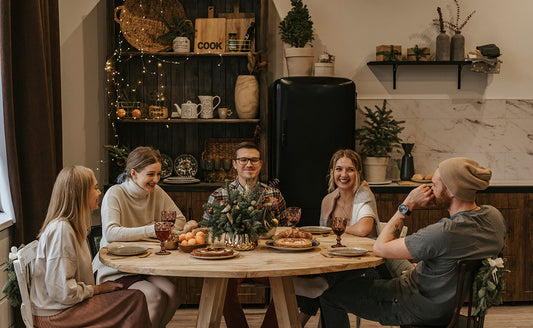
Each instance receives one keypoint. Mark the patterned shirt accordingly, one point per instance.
(221, 196)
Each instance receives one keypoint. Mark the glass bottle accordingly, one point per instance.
(232, 42)
(408, 166)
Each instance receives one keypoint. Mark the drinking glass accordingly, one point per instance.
(338, 225)
(209, 167)
(162, 231)
(293, 214)
(217, 164)
(169, 216)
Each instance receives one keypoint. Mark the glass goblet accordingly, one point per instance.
(162, 231)
(338, 225)
(209, 167)
(226, 164)
(217, 165)
(293, 214)
(169, 216)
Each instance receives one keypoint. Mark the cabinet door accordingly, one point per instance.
(198, 199)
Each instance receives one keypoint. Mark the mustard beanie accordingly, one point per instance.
(463, 177)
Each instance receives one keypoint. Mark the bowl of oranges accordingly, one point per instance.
(189, 241)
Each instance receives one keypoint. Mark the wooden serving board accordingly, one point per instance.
(237, 22)
(210, 35)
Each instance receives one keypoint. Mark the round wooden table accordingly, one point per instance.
(279, 266)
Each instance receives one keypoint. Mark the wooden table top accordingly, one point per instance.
(264, 261)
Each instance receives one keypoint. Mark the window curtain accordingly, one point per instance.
(29, 55)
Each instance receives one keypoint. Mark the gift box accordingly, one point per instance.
(388, 53)
(418, 54)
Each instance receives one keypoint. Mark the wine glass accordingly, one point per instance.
(169, 216)
(217, 164)
(209, 167)
(162, 231)
(293, 214)
(226, 164)
(338, 225)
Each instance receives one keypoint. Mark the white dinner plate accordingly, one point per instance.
(127, 250)
(315, 229)
(235, 253)
(380, 183)
(270, 244)
(347, 251)
(421, 181)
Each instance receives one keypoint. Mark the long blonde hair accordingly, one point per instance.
(70, 199)
(356, 160)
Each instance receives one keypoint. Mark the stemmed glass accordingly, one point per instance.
(217, 166)
(162, 231)
(169, 216)
(209, 167)
(293, 214)
(338, 225)
(226, 164)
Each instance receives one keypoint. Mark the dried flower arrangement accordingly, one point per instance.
(457, 26)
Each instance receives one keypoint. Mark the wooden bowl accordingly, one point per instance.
(189, 248)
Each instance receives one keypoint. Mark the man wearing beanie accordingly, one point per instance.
(424, 294)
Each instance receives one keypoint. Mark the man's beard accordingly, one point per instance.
(443, 201)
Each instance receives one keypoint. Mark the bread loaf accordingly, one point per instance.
(417, 177)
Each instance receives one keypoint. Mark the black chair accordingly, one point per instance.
(93, 238)
(467, 270)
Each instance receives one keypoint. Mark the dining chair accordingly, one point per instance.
(467, 270)
(93, 238)
(23, 266)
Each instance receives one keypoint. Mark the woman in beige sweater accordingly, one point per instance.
(63, 292)
(128, 214)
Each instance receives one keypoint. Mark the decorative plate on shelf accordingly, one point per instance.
(379, 183)
(167, 167)
(185, 165)
(181, 180)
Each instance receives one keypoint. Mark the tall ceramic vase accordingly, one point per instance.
(443, 47)
(458, 47)
(247, 96)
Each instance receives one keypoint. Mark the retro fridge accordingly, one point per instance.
(310, 119)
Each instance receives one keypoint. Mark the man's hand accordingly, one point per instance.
(420, 197)
(107, 287)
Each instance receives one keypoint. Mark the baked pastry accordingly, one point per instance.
(212, 252)
(428, 177)
(293, 242)
(293, 233)
(417, 177)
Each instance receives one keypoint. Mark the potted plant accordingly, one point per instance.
(377, 138)
(296, 30)
(180, 32)
(325, 65)
(247, 88)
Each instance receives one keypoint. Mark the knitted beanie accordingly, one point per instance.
(463, 177)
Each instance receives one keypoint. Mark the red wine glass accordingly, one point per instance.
(338, 225)
(162, 231)
(169, 216)
(293, 214)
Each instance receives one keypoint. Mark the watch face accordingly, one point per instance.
(403, 209)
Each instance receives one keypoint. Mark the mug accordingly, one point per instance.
(224, 112)
(207, 105)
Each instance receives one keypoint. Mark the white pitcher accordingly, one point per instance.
(207, 106)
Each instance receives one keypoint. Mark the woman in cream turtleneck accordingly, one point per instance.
(128, 214)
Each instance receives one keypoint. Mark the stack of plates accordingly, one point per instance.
(181, 180)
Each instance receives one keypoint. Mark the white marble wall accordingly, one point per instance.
(496, 133)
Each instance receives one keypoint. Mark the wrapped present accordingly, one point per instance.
(418, 54)
(388, 53)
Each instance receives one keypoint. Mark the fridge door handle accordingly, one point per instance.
(284, 133)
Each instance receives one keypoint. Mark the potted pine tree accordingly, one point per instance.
(378, 136)
(296, 30)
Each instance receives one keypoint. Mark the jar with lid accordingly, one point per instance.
(232, 42)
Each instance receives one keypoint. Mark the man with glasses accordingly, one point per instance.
(247, 162)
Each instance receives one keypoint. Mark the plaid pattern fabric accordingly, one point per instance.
(221, 196)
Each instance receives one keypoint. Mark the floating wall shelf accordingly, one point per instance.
(395, 65)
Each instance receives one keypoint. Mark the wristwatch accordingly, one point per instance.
(403, 209)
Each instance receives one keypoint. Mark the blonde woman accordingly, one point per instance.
(63, 291)
(128, 213)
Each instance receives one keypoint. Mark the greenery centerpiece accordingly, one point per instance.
(377, 138)
(296, 30)
(249, 213)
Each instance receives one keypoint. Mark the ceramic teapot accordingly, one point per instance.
(188, 110)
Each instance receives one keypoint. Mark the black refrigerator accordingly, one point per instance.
(310, 119)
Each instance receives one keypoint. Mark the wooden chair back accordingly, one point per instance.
(23, 266)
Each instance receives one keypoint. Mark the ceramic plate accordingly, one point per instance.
(235, 253)
(421, 181)
(348, 251)
(127, 250)
(270, 244)
(184, 181)
(167, 166)
(380, 183)
(315, 229)
(185, 166)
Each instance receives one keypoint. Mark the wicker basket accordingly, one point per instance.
(221, 147)
(141, 25)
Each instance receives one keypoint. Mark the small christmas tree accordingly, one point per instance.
(296, 28)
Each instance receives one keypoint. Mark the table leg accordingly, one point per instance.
(211, 302)
(284, 298)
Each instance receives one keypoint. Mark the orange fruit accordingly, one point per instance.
(199, 240)
(182, 237)
(189, 235)
(200, 233)
(191, 242)
(121, 112)
(136, 113)
(184, 242)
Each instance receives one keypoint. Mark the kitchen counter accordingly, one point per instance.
(494, 187)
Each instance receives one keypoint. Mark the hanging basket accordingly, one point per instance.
(141, 25)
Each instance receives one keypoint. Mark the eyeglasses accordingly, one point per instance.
(245, 160)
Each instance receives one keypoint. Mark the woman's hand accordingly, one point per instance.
(107, 287)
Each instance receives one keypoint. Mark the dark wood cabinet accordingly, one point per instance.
(517, 209)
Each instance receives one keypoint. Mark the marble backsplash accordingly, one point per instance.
(496, 133)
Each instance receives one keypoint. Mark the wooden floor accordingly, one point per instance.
(518, 316)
